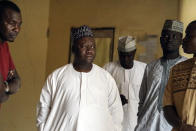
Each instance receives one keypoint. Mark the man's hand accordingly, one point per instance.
(123, 99)
(185, 127)
(13, 80)
(2, 86)
(1, 82)
(11, 75)
(172, 117)
(3, 95)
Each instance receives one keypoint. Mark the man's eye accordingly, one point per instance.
(165, 36)
(11, 22)
(82, 46)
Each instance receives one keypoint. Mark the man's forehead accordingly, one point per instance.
(86, 39)
(10, 14)
(191, 28)
(170, 32)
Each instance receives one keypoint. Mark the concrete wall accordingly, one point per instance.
(187, 14)
(138, 17)
(29, 54)
(35, 56)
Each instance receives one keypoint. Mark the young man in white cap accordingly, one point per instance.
(80, 96)
(150, 112)
(128, 74)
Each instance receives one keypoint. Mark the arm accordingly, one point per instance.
(44, 105)
(123, 99)
(142, 92)
(115, 105)
(169, 109)
(13, 78)
(107, 66)
(14, 82)
(172, 116)
(173, 119)
(3, 95)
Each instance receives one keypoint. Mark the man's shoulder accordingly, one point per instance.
(4, 43)
(102, 71)
(112, 64)
(99, 69)
(60, 70)
(4, 46)
(139, 63)
(182, 58)
(184, 65)
(154, 63)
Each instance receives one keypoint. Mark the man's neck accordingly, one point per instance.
(171, 55)
(1, 41)
(82, 67)
(127, 68)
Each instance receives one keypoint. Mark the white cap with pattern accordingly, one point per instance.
(126, 44)
(173, 25)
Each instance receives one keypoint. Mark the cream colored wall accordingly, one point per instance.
(33, 54)
(137, 17)
(187, 14)
(29, 54)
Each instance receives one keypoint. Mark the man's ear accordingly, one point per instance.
(162, 42)
(134, 53)
(135, 50)
(161, 39)
(73, 49)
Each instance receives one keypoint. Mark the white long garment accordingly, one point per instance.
(150, 113)
(128, 82)
(76, 101)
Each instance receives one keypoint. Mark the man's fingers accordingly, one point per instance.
(11, 72)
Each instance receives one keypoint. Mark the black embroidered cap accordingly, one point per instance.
(82, 31)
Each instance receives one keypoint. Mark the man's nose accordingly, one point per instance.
(127, 58)
(89, 49)
(16, 28)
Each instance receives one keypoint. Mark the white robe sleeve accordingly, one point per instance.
(107, 67)
(43, 107)
(142, 92)
(115, 105)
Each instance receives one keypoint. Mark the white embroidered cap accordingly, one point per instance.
(126, 44)
(173, 25)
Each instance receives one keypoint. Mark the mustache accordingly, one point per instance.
(13, 33)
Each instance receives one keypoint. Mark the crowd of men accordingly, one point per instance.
(125, 95)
